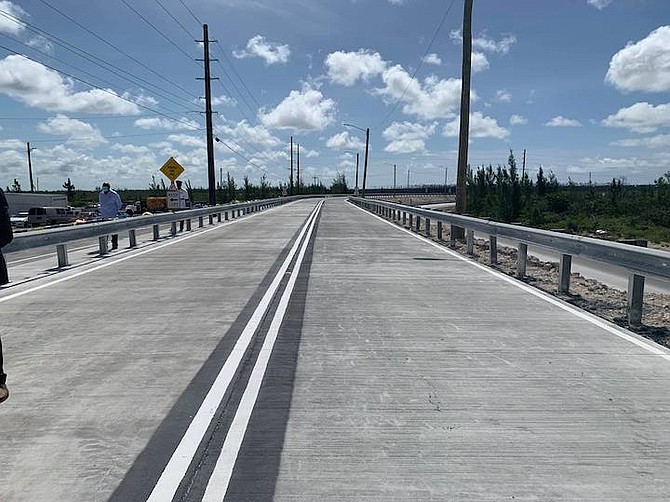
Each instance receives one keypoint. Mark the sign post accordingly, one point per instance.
(172, 170)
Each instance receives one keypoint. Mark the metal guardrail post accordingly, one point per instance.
(564, 270)
(493, 249)
(427, 227)
(521, 260)
(404, 218)
(157, 232)
(188, 225)
(61, 253)
(452, 235)
(201, 222)
(635, 299)
(218, 217)
(439, 230)
(225, 215)
(470, 241)
(173, 228)
(418, 224)
(411, 221)
(211, 219)
(132, 238)
(102, 244)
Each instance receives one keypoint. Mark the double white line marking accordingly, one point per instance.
(182, 457)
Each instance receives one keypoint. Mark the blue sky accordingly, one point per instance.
(110, 90)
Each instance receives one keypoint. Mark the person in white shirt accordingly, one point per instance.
(110, 205)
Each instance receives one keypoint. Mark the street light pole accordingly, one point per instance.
(356, 188)
(367, 147)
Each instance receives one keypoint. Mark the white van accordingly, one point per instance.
(48, 216)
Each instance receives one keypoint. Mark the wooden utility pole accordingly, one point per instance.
(461, 203)
(523, 165)
(290, 192)
(365, 165)
(211, 176)
(30, 169)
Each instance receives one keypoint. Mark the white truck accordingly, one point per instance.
(20, 202)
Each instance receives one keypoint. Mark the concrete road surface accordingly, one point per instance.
(315, 352)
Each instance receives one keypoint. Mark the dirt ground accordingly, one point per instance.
(588, 294)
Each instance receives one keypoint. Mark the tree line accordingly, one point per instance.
(621, 210)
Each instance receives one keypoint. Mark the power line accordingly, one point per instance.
(160, 32)
(112, 93)
(232, 66)
(140, 63)
(176, 20)
(430, 45)
(191, 12)
(84, 55)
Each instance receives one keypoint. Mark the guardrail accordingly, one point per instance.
(640, 262)
(61, 236)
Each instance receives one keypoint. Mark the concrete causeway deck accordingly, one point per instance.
(400, 371)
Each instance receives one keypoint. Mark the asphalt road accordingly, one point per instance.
(316, 352)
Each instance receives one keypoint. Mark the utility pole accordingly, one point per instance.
(445, 179)
(394, 179)
(211, 176)
(30, 169)
(356, 189)
(298, 180)
(365, 166)
(461, 203)
(290, 192)
(523, 166)
(408, 179)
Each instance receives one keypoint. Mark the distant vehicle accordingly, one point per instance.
(49, 216)
(23, 201)
(20, 220)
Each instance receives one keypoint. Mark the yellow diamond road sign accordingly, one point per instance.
(172, 169)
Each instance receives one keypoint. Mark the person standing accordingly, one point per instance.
(6, 236)
(184, 202)
(110, 205)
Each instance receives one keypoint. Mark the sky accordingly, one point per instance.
(108, 91)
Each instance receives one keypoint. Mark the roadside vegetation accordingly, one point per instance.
(612, 211)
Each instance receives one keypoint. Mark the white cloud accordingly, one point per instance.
(304, 110)
(561, 121)
(39, 87)
(408, 137)
(517, 119)
(11, 144)
(347, 67)
(187, 140)
(166, 124)
(344, 140)
(244, 132)
(503, 95)
(7, 24)
(640, 117)
(480, 127)
(599, 4)
(658, 141)
(432, 99)
(432, 59)
(79, 133)
(483, 43)
(396, 2)
(479, 62)
(223, 100)
(259, 47)
(644, 65)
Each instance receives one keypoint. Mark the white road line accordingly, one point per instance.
(620, 332)
(220, 478)
(182, 457)
(128, 257)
